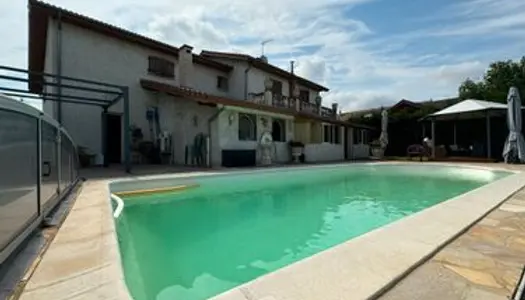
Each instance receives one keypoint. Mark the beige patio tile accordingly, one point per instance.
(513, 208)
(489, 222)
(234, 294)
(68, 260)
(73, 287)
(332, 274)
(475, 276)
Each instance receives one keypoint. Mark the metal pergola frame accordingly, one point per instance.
(96, 91)
(486, 114)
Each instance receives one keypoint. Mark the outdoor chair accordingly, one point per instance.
(416, 150)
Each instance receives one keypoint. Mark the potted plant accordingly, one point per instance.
(84, 157)
(297, 149)
(377, 149)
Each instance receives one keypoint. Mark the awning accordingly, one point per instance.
(202, 97)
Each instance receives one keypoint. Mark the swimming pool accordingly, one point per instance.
(197, 243)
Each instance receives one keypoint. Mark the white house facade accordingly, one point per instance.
(222, 102)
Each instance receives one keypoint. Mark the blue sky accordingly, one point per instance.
(368, 52)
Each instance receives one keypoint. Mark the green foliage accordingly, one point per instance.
(472, 90)
(499, 77)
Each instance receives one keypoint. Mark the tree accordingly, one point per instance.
(471, 90)
(497, 80)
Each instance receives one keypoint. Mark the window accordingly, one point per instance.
(364, 136)
(161, 67)
(277, 87)
(360, 136)
(327, 134)
(279, 130)
(332, 134)
(336, 134)
(222, 83)
(247, 127)
(357, 136)
(304, 95)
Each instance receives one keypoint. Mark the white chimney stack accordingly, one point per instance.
(186, 66)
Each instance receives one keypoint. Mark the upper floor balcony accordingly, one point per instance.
(293, 103)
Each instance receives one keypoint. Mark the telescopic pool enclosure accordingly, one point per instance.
(38, 158)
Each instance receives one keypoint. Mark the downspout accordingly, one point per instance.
(210, 120)
(58, 61)
(246, 80)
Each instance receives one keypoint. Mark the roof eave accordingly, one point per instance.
(174, 90)
(39, 15)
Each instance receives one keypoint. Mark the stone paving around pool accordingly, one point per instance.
(484, 263)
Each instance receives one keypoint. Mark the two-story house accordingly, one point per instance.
(231, 99)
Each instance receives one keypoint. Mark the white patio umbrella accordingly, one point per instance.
(383, 138)
(514, 149)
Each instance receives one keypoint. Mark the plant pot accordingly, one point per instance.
(85, 160)
(296, 153)
(377, 152)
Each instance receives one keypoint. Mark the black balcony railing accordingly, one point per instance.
(279, 101)
(291, 103)
(327, 112)
(309, 107)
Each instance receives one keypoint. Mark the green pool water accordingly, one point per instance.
(234, 228)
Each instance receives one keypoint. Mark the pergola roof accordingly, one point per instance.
(468, 109)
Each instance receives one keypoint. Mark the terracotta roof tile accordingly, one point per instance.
(199, 96)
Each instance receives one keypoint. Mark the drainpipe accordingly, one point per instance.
(246, 80)
(58, 61)
(210, 120)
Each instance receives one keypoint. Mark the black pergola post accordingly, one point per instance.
(104, 136)
(127, 130)
(489, 143)
(433, 126)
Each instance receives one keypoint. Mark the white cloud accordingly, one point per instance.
(362, 67)
(312, 68)
(349, 101)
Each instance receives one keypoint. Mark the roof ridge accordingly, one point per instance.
(119, 32)
(47, 5)
(260, 61)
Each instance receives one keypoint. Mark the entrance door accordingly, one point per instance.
(345, 142)
(349, 143)
(114, 138)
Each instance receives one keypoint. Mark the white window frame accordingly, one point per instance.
(282, 124)
(333, 131)
(253, 131)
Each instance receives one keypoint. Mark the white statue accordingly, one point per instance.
(266, 146)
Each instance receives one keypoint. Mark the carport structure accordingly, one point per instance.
(64, 89)
(467, 110)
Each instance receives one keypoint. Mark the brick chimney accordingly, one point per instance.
(186, 66)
